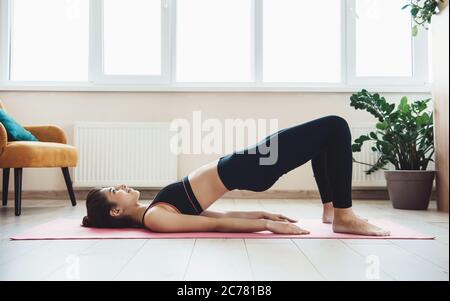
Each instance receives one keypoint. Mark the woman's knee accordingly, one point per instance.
(337, 120)
(339, 124)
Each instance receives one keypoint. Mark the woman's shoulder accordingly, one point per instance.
(156, 210)
(163, 205)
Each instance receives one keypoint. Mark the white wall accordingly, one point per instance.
(66, 108)
(440, 53)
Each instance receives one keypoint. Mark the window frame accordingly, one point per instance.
(342, 83)
(419, 49)
(253, 62)
(96, 42)
(6, 53)
(97, 81)
(5, 32)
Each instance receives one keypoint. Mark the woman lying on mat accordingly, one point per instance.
(182, 206)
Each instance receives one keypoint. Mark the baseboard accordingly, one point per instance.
(358, 193)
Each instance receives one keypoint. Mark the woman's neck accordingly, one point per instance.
(137, 213)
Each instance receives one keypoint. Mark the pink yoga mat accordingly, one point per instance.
(65, 229)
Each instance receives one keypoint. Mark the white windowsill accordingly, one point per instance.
(216, 88)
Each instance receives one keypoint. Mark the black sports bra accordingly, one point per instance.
(178, 195)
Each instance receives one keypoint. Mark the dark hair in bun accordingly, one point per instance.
(98, 212)
(86, 222)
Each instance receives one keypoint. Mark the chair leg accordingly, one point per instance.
(66, 174)
(5, 185)
(18, 190)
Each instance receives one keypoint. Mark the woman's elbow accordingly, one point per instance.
(159, 226)
(156, 228)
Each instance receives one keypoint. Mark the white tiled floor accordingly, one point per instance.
(223, 259)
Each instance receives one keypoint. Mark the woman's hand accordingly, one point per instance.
(284, 228)
(278, 217)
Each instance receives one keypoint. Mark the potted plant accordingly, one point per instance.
(422, 11)
(404, 137)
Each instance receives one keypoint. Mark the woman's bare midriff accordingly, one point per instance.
(206, 184)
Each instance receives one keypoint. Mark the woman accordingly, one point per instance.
(182, 206)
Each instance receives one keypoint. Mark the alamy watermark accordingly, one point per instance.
(72, 267)
(373, 267)
(214, 136)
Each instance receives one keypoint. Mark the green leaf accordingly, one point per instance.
(382, 125)
(420, 105)
(404, 107)
(356, 148)
(404, 100)
(391, 108)
(362, 139)
(423, 119)
(404, 137)
(415, 31)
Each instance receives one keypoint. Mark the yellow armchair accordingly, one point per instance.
(48, 133)
(51, 150)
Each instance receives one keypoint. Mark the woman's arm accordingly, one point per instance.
(235, 214)
(160, 220)
(249, 215)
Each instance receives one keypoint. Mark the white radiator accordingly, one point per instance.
(368, 156)
(136, 154)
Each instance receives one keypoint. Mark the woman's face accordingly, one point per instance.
(122, 196)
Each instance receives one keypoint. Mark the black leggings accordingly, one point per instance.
(325, 141)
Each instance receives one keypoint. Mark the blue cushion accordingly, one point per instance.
(15, 131)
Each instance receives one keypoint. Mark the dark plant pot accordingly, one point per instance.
(410, 189)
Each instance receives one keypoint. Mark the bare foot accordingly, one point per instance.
(328, 213)
(348, 222)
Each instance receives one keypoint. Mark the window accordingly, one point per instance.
(132, 37)
(50, 40)
(297, 41)
(332, 45)
(380, 45)
(383, 38)
(214, 41)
